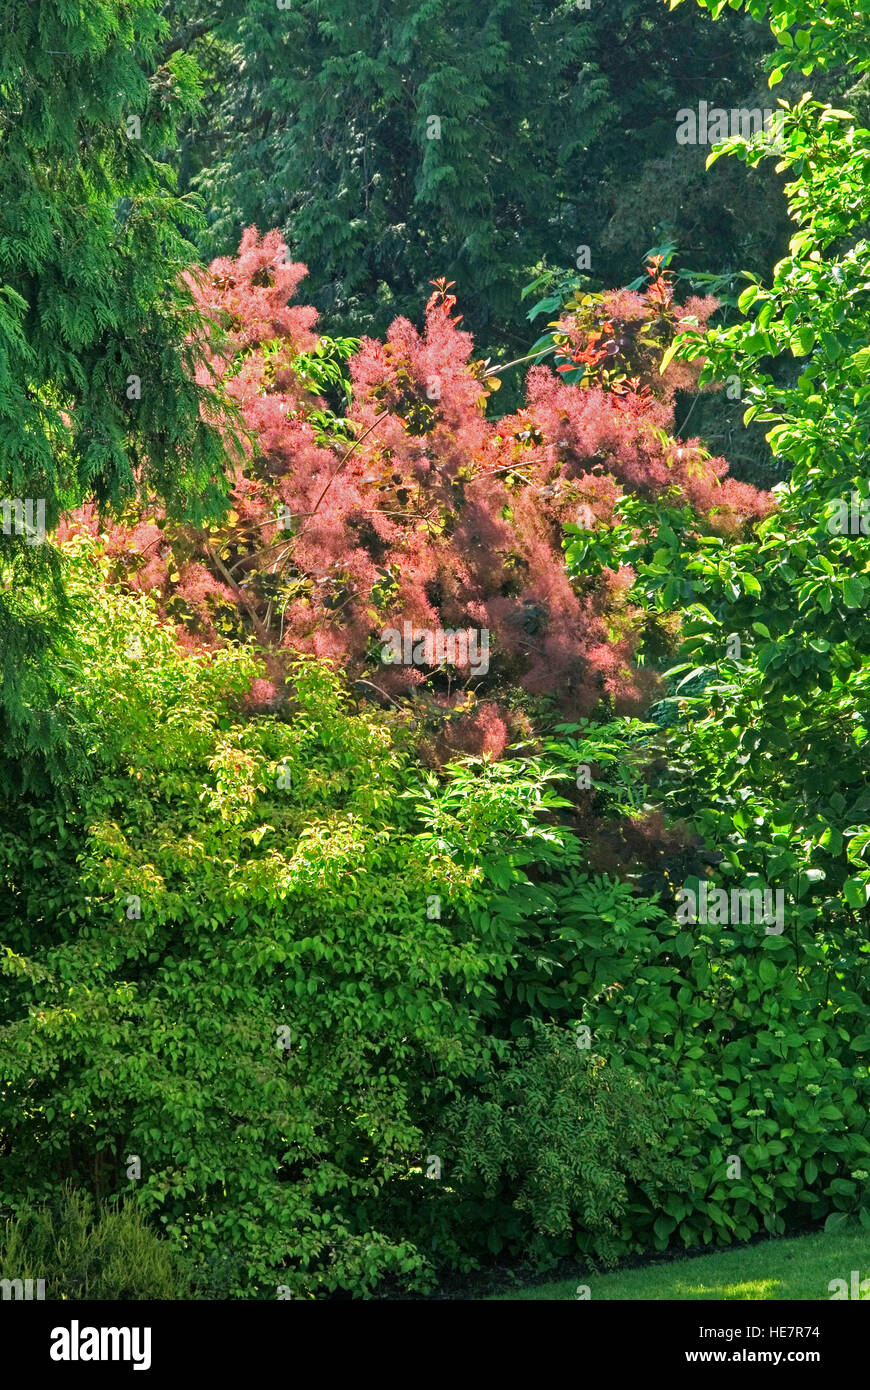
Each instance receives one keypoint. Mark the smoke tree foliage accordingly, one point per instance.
(416, 509)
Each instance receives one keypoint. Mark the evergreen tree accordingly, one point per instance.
(98, 393)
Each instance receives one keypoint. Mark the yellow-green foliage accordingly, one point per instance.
(226, 985)
(87, 1250)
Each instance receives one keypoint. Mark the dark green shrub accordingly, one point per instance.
(757, 1042)
(542, 1157)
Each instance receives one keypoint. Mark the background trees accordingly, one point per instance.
(393, 142)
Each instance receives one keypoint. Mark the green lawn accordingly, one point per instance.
(800, 1268)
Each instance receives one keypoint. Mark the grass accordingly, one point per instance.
(800, 1268)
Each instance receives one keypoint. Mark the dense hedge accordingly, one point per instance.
(756, 1042)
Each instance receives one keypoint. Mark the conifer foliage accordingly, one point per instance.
(97, 329)
(394, 140)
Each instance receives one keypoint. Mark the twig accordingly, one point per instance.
(248, 602)
(385, 694)
(532, 357)
(353, 446)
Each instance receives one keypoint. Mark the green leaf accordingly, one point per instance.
(853, 592)
(837, 1221)
(855, 893)
(767, 972)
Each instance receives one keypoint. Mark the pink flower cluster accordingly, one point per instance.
(432, 514)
